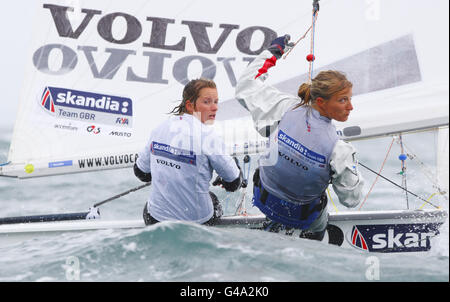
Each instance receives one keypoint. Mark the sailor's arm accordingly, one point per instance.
(265, 103)
(230, 174)
(346, 179)
(230, 184)
(142, 166)
(145, 177)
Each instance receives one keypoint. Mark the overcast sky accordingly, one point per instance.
(15, 28)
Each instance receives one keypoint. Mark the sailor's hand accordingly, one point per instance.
(218, 181)
(280, 45)
(244, 183)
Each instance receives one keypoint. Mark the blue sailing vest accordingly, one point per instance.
(290, 214)
(294, 184)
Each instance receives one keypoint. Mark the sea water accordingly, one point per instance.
(176, 251)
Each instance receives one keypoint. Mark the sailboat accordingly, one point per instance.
(101, 74)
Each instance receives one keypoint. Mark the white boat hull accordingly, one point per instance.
(370, 231)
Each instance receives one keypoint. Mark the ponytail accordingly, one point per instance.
(304, 92)
(324, 85)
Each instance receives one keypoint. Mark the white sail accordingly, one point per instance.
(101, 74)
(397, 110)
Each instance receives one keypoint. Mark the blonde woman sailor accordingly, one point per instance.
(290, 188)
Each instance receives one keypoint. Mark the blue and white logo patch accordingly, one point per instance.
(177, 154)
(299, 148)
(79, 105)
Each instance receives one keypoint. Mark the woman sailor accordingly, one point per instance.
(180, 157)
(305, 152)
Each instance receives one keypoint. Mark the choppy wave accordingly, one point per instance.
(177, 251)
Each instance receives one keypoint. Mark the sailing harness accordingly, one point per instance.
(290, 214)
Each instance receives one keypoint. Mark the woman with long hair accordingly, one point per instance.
(306, 154)
(180, 166)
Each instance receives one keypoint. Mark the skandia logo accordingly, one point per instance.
(177, 154)
(53, 97)
(358, 240)
(47, 100)
(393, 238)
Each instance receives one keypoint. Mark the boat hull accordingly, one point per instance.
(370, 231)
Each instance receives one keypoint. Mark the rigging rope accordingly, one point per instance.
(415, 195)
(426, 171)
(311, 56)
(241, 208)
(295, 44)
(432, 195)
(376, 179)
(332, 202)
(403, 187)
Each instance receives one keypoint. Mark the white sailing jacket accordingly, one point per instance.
(267, 106)
(181, 155)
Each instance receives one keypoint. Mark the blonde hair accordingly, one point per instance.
(324, 85)
(191, 92)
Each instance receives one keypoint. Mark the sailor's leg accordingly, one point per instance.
(218, 211)
(272, 226)
(313, 235)
(318, 228)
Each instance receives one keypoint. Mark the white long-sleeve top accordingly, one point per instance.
(181, 155)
